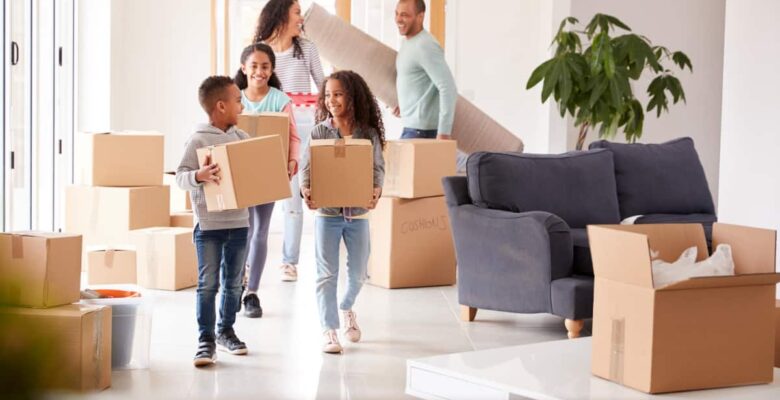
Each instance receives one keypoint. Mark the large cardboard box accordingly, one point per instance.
(106, 215)
(777, 333)
(253, 172)
(166, 258)
(39, 269)
(267, 124)
(119, 159)
(72, 344)
(180, 199)
(416, 244)
(414, 167)
(341, 172)
(111, 266)
(183, 220)
(700, 333)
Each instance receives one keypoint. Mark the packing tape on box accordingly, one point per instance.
(17, 246)
(340, 148)
(617, 350)
(93, 219)
(108, 258)
(220, 201)
(97, 354)
(393, 167)
(152, 270)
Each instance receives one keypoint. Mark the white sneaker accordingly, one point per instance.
(331, 342)
(289, 273)
(351, 330)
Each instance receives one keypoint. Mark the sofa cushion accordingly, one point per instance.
(582, 262)
(665, 178)
(578, 186)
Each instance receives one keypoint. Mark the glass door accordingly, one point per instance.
(64, 105)
(18, 122)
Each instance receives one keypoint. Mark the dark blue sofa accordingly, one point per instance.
(519, 220)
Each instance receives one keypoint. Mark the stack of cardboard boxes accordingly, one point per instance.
(120, 193)
(69, 345)
(410, 225)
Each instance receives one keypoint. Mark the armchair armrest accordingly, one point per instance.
(456, 190)
(507, 260)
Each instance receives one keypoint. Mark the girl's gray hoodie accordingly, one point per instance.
(208, 135)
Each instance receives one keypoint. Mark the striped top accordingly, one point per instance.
(296, 73)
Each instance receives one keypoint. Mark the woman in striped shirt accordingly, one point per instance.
(297, 62)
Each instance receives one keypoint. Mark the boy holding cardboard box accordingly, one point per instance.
(220, 237)
(346, 108)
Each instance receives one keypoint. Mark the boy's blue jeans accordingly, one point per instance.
(328, 234)
(219, 250)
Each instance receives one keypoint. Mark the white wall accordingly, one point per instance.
(93, 77)
(494, 49)
(492, 52)
(696, 28)
(750, 138)
(160, 55)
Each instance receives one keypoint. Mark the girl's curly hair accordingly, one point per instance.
(274, 17)
(362, 106)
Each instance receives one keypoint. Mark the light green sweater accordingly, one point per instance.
(426, 89)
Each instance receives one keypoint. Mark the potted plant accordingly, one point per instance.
(594, 84)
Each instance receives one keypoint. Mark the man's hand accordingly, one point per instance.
(208, 173)
(397, 111)
(306, 193)
(375, 198)
(444, 136)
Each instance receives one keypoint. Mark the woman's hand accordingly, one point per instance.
(306, 193)
(375, 198)
(292, 168)
(208, 172)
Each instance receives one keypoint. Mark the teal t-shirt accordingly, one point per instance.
(274, 101)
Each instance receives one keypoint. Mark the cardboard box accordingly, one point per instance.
(106, 215)
(77, 338)
(267, 124)
(183, 220)
(414, 167)
(416, 244)
(777, 333)
(111, 266)
(119, 159)
(180, 199)
(253, 172)
(39, 269)
(166, 258)
(341, 172)
(700, 333)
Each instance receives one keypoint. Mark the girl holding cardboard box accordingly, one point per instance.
(297, 63)
(260, 93)
(346, 109)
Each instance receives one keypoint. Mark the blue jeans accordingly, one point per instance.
(411, 133)
(225, 250)
(293, 223)
(328, 234)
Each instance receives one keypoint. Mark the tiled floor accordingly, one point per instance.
(285, 361)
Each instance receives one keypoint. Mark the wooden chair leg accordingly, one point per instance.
(574, 326)
(467, 313)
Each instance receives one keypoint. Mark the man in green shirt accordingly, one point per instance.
(426, 89)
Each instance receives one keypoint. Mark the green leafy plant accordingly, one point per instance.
(594, 85)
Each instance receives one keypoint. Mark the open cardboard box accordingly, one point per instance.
(700, 333)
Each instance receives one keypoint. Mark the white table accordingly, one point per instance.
(550, 370)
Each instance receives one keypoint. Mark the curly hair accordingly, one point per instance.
(241, 79)
(362, 106)
(273, 18)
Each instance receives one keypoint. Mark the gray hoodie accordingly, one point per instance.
(208, 135)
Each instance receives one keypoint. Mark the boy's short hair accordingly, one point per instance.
(212, 90)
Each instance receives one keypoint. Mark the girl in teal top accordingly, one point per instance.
(260, 91)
